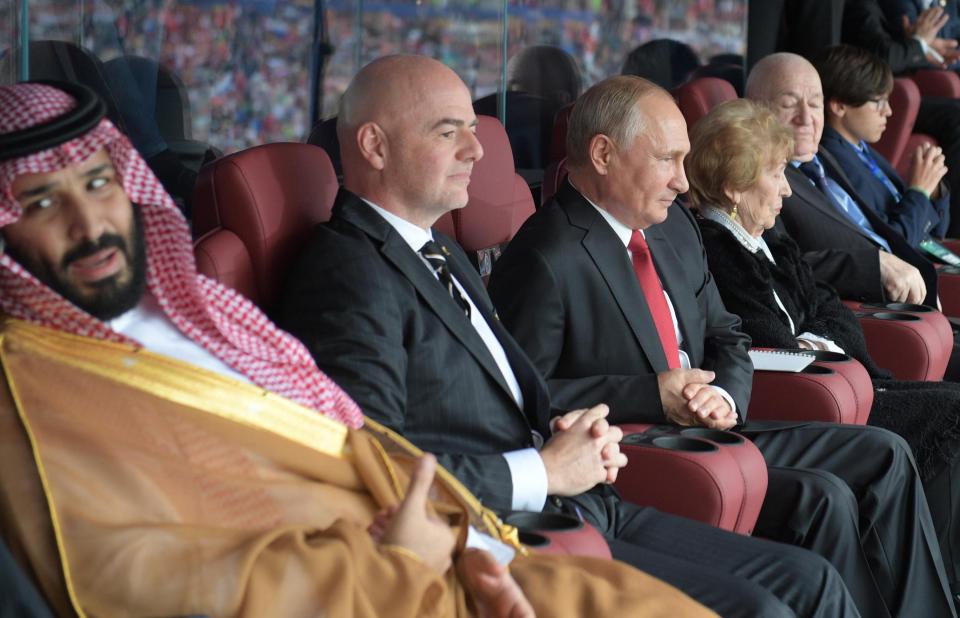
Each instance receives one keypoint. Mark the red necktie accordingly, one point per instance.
(656, 301)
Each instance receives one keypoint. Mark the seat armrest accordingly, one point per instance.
(718, 484)
(912, 341)
(558, 533)
(818, 393)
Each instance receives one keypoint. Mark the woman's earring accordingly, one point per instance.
(733, 215)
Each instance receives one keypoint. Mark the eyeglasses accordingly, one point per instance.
(880, 104)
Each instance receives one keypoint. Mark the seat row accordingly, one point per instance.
(254, 210)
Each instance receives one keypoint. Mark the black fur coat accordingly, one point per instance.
(926, 414)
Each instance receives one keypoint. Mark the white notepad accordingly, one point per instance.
(779, 360)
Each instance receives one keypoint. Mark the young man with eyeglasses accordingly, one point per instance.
(856, 87)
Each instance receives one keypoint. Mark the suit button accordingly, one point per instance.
(557, 502)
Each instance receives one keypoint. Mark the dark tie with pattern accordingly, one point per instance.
(434, 256)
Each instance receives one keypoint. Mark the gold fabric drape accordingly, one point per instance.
(136, 485)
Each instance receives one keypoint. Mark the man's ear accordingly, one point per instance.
(372, 143)
(601, 150)
(836, 108)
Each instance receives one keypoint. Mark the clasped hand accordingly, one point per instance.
(583, 451)
(688, 399)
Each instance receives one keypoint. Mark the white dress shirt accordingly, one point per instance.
(148, 325)
(624, 233)
(527, 471)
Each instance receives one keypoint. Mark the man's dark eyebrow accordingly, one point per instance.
(96, 171)
(454, 121)
(35, 191)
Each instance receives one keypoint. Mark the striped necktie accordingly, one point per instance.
(433, 254)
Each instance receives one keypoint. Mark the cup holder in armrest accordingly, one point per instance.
(711, 476)
(890, 315)
(670, 442)
(826, 356)
(914, 342)
(542, 522)
(557, 533)
(679, 443)
(716, 436)
(909, 307)
(817, 370)
(534, 540)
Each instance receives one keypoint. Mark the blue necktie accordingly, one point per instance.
(840, 199)
(864, 153)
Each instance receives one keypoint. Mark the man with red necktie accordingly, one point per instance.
(607, 290)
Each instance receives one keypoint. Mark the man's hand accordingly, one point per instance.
(494, 590)
(584, 454)
(947, 48)
(685, 401)
(927, 168)
(412, 527)
(709, 407)
(928, 24)
(901, 281)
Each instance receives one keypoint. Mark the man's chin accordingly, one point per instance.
(107, 298)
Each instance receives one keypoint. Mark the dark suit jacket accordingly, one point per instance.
(866, 26)
(915, 216)
(840, 253)
(380, 324)
(566, 289)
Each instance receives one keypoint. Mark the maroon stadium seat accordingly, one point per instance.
(937, 83)
(254, 209)
(698, 96)
(500, 200)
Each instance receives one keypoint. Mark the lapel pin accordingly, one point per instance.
(444, 249)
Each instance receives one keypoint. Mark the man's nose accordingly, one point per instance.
(85, 219)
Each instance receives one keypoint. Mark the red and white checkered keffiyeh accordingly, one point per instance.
(225, 323)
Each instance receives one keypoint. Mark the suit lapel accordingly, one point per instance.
(611, 260)
(536, 400)
(396, 251)
(806, 191)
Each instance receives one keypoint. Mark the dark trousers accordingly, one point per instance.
(732, 574)
(852, 494)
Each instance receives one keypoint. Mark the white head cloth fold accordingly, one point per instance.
(215, 317)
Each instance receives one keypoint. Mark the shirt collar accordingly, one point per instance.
(413, 235)
(622, 231)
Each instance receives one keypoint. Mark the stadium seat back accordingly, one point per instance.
(499, 199)
(698, 96)
(253, 211)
